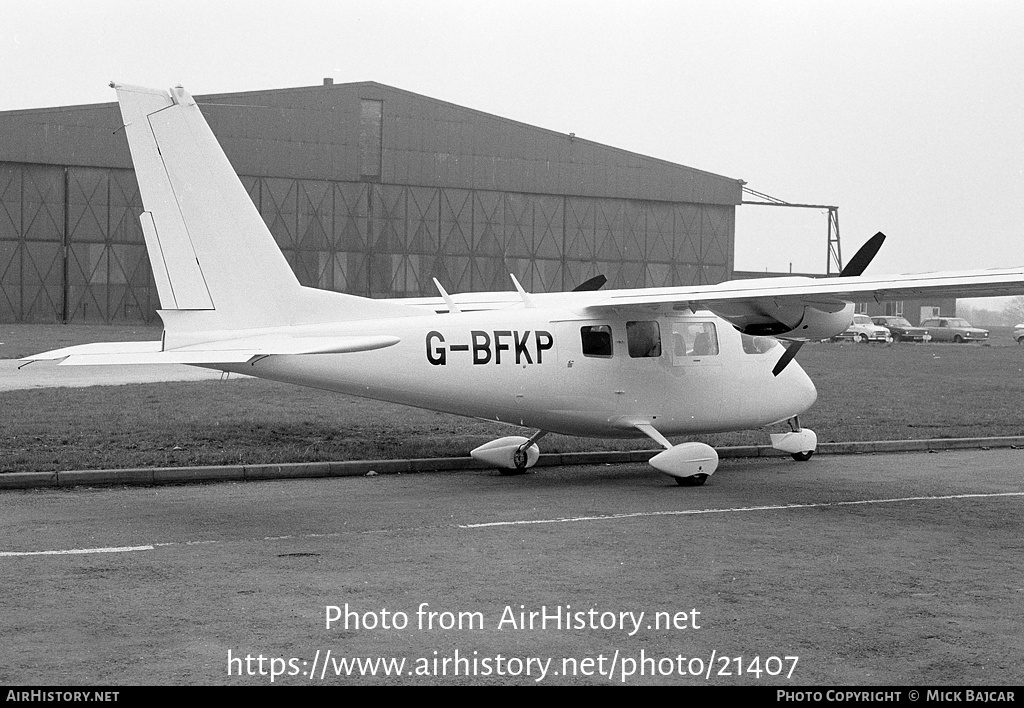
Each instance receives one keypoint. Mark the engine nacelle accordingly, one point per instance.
(793, 322)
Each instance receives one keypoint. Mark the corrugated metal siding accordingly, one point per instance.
(10, 241)
(391, 240)
(368, 239)
(41, 243)
(463, 196)
(80, 135)
(313, 133)
(71, 246)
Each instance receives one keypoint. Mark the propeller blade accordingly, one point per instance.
(787, 356)
(595, 283)
(863, 257)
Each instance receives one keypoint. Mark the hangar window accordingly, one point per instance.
(370, 138)
(597, 340)
(644, 339)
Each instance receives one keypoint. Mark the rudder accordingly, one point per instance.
(209, 246)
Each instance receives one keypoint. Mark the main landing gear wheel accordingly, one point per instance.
(803, 456)
(521, 461)
(694, 480)
(512, 455)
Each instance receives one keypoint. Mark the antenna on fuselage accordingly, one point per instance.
(527, 301)
(452, 307)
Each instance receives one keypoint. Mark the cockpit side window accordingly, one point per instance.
(705, 339)
(757, 345)
(643, 338)
(597, 340)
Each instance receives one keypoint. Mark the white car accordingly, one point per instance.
(1018, 333)
(864, 330)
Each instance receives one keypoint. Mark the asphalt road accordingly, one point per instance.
(846, 570)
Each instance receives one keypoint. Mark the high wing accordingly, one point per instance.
(807, 308)
(794, 308)
(812, 291)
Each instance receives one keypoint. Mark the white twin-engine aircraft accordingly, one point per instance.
(618, 363)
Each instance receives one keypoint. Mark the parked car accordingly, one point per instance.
(954, 329)
(864, 330)
(1018, 333)
(901, 329)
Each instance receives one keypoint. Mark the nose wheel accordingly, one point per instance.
(800, 443)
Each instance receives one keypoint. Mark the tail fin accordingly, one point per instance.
(209, 247)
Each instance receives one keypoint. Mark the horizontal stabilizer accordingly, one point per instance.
(234, 351)
(220, 357)
(99, 348)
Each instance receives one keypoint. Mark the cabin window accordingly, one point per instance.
(757, 345)
(597, 340)
(644, 339)
(693, 342)
(695, 339)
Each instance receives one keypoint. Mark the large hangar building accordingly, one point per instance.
(369, 190)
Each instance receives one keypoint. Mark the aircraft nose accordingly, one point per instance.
(795, 390)
(803, 390)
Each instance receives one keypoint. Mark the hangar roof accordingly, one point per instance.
(313, 132)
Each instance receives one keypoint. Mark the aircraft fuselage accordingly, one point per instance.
(558, 371)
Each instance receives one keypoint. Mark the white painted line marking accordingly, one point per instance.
(606, 517)
(77, 551)
(693, 512)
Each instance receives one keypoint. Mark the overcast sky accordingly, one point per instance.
(908, 116)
